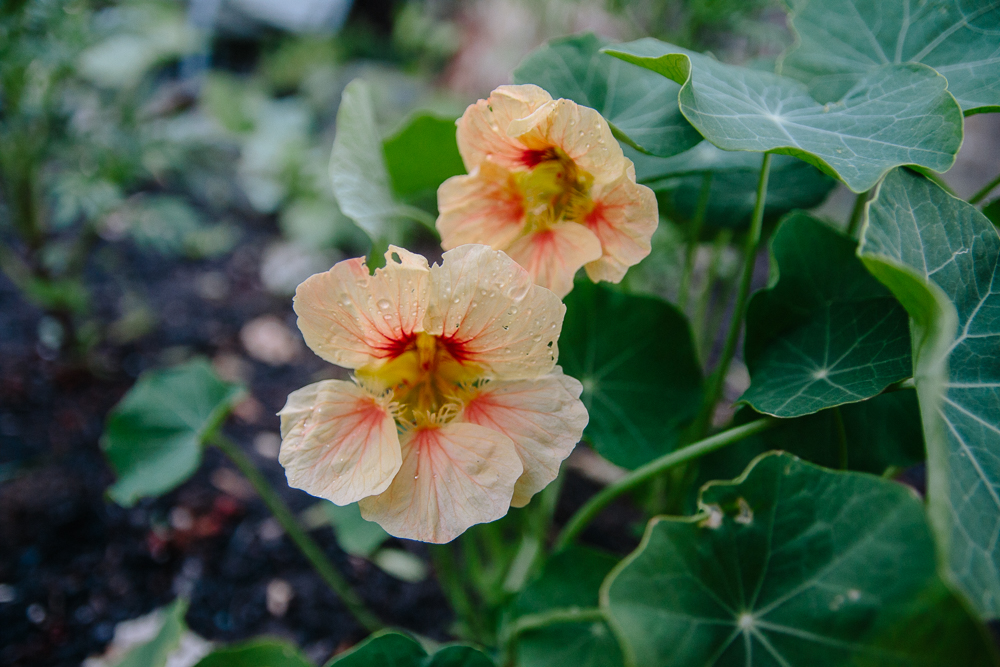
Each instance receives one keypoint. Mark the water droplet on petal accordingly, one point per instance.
(519, 290)
(383, 304)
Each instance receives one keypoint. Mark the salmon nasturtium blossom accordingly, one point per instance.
(456, 410)
(549, 185)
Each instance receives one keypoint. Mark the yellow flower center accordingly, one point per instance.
(427, 379)
(554, 190)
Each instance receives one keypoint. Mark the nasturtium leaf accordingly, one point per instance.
(570, 578)
(880, 433)
(941, 257)
(839, 41)
(157, 650)
(895, 115)
(640, 106)
(992, 211)
(155, 435)
(641, 380)
(392, 649)
(827, 333)
(792, 565)
(361, 181)
(677, 182)
(422, 155)
(256, 653)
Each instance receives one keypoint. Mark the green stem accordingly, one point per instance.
(718, 377)
(857, 213)
(592, 508)
(694, 230)
(542, 620)
(701, 310)
(981, 195)
(306, 544)
(842, 456)
(446, 569)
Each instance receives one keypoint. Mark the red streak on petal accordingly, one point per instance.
(533, 157)
(392, 348)
(456, 348)
(596, 216)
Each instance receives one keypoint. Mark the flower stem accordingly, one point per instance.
(694, 230)
(306, 544)
(857, 213)
(718, 377)
(698, 324)
(981, 195)
(592, 508)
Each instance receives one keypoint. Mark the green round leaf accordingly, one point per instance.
(792, 565)
(256, 653)
(157, 650)
(895, 115)
(839, 41)
(422, 155)
(382, 649)
(458, 656)
(827, 333)
(640, 106)
(641, 379)
(154, 436)
(941, 257)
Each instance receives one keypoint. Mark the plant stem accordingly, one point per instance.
(857, 212)
(542, 620)
(981, 195)
(694, 230)
(592, 507)
(454, 589)
(842, 455)
(718, 377)
(306, 544)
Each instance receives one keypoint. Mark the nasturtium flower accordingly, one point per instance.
(456, 410)
(549, 185)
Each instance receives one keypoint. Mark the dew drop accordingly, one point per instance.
(456, 300)
(383, 304)
(519, 290)
(512, 311)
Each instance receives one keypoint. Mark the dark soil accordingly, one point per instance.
(74, 564)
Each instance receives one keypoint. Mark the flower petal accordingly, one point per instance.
(484, 207)
(624, 219)
(338, 442)
(482, 129)
(452, 477)
(544, 417)
(490, 313)
(351, 318)
(553, 256)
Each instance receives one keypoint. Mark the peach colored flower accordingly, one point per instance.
(549, 185)
(457, 409)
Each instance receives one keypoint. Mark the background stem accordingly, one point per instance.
(306, 544)
(718, 377)
(592, 507)
(857, 212)
(981, 195)
(694, 231)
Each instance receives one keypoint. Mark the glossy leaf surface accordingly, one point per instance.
(392, 648)
(640, 106)
(641, 379)
(155, 435)
(422, 155)
(839, 41)
(827, 333)
(941, 257)
(895, 115)
(792, 565)
(256, 653)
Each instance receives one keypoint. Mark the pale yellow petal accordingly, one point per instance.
(452, 477)
(351, 318)
(482, 129)
(491, 313)
(338, 442)
(544, 417)
(484, 207)
(624, 219)
(554, 255)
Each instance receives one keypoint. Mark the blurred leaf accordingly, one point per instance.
(275, 151)
(392, 649)
(677, 182)
(827, 333)
(792, 564)
(256, 653)
(231, 100)
(839, 41)
(640, 106)
(354, 535)
(641, 380)
(570, 578)
(154, 436)
(992, 212)
(422, 155)
(401, 564)
(77, 196)
(941, 257)
(155, 652)
(895, 115)
(880, 433)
